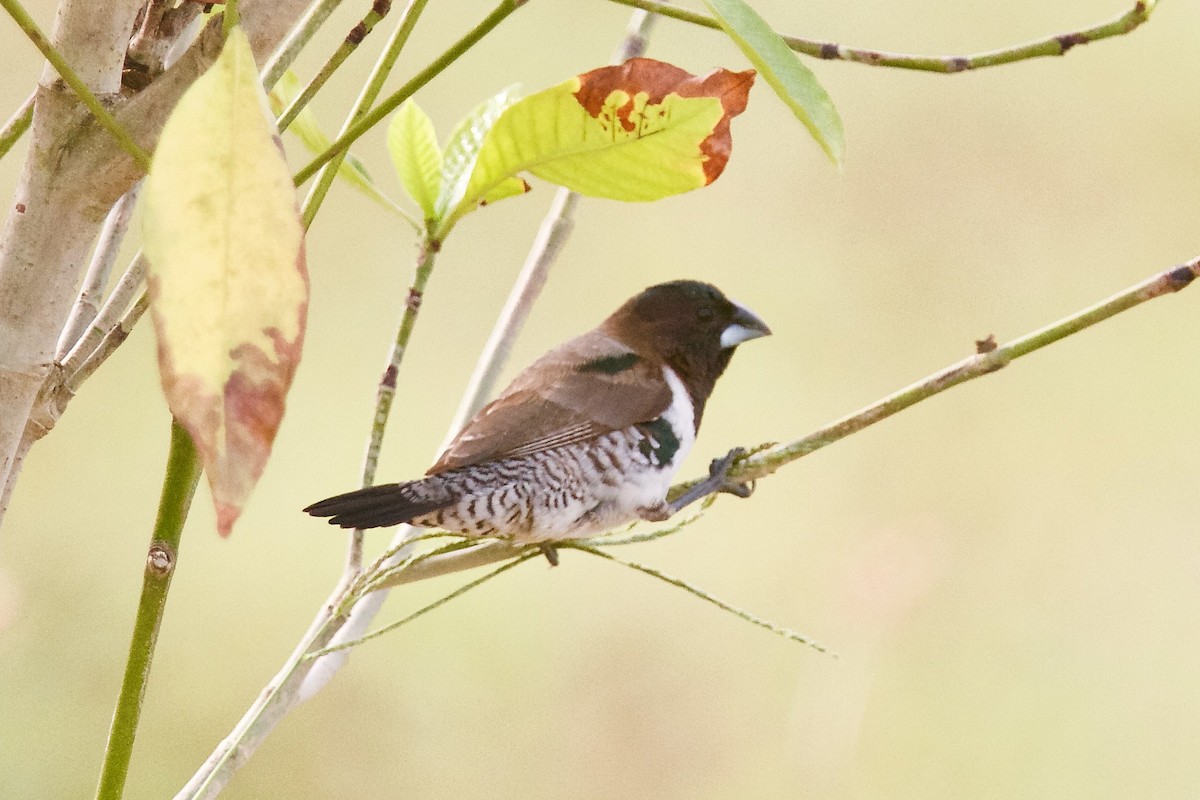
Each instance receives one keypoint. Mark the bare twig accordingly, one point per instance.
(87, 305)
(1049, 46)
(296, 40)
(556, 228)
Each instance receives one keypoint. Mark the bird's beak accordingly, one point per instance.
(746, 325)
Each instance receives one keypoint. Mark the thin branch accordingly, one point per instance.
(386, 392)
(108, 345)
(371, 89)
(108, 244)
(1049, 46)
(280, 696)
(85, 95)
(358, 33)
(17, 124)
(989, 359)
(129, 286)
(297, 39)
(698, 592)
(179, 484)
(461, 590)
(393, 101)
(556, 228)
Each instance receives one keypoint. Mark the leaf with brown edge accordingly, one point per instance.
(639, 131)
(228, 283)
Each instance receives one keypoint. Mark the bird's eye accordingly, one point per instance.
(705, 314)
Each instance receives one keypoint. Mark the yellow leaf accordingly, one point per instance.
(228, 284)
(639, 131)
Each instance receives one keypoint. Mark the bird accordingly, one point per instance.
(585, 439)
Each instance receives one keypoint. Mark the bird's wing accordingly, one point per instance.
(583, 389)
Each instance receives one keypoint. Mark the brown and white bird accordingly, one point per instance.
(586, 438)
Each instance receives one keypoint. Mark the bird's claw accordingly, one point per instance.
(719, 470)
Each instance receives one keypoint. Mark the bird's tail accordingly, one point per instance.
(382, 506)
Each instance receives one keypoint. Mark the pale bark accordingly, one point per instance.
(73, 173)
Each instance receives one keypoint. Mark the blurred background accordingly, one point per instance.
(1009, 573)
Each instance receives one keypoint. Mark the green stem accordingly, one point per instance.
(371, 90)
(106, 120)
(1049, 46)
(393, 101)
(386, 393)
(353, 39)
(16, 126)
(179, 484)
(989, 359)
(229, 17)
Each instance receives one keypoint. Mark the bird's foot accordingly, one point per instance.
(718, 470)
(718, 480)
(550, 552)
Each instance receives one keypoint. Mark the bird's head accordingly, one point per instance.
(688, 325)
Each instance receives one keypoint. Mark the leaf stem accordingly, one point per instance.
(393, 101)
(370, 91)
(179, 484)
(1048, 46)
(85, 95)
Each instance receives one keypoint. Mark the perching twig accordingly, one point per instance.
(1049, 46)
(988, 359)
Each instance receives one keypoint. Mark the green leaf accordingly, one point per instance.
(639, 131)
(306, 128)
(412, 143)
(228, 284)
(783, 71)
(462, 150)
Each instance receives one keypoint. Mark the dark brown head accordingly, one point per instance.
(689, 326)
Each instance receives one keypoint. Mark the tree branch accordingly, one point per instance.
(1049, 46)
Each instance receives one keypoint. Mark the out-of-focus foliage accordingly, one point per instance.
(1007, 572)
